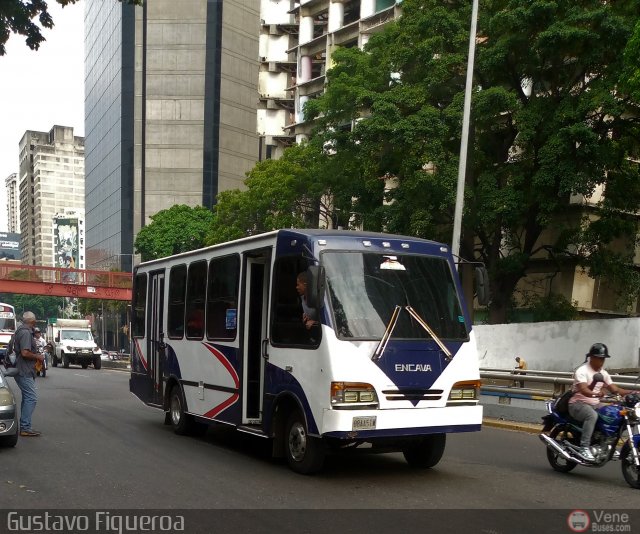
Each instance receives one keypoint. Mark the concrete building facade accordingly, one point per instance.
(13, 203)
(51, 180)
(177, 81)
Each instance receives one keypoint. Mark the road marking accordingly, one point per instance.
(83, 376)
(88, 405)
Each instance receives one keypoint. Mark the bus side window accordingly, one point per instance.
(287, 327)
(196, 291)
(222, 298)
(139, 306)
(177, 288)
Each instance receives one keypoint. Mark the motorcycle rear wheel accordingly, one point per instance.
(630, 472)
(556, 460)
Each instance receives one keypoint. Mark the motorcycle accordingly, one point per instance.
(618, 423)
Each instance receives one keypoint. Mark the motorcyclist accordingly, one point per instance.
(589, 382)
(40, 345)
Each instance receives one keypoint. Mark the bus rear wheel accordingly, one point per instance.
(427, 452)
(177, 414)
(305, 454)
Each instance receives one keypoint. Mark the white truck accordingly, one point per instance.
(73, 343)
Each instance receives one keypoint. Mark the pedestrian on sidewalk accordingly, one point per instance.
(27, 356)
(521, 367)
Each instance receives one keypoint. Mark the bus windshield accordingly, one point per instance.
(7, 324)
(365, 288)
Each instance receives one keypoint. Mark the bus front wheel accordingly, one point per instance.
(427, 452)
(305, 454)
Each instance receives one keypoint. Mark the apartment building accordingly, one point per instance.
(13, 202)
(51, 181)
(297, 39)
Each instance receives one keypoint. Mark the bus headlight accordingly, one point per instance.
(353, 395)
(466, 390)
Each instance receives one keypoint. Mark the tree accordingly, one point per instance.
(179, 228)
(290, 192)
(18, 16)
(44, 307)
(549, 125)
(630, 79)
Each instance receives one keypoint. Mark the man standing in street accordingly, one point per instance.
(27, 356)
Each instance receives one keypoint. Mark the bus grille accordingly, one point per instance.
(413, 394)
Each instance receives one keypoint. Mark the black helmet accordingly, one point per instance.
(599, 350)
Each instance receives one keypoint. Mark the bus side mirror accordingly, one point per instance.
(315, 286)
(57, 340)
(482, 285)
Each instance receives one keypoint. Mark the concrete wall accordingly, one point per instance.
(558, 346)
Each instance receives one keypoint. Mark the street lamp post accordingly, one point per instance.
(464, 141)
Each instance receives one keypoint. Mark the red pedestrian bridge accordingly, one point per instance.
(61, 282)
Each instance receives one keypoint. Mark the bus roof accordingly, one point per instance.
(314, 233)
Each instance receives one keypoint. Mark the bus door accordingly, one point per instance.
(155, 339)
(256, 285)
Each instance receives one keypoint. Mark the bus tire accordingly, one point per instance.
(65, 361)
(54, 360)
(426, 452)
(305, 454)
(97, 362)
(178, 417)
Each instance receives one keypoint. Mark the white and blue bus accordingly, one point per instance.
(388, 362)
(7, 326)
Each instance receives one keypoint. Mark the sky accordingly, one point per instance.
(39, 89)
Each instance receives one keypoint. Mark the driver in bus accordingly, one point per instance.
(309, 314)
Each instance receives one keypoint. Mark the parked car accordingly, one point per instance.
(8, 415)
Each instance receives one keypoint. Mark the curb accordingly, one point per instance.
(117, 365)
(531, 428)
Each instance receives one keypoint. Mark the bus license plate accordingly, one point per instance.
(364, 423)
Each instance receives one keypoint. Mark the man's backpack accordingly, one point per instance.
(10, 356)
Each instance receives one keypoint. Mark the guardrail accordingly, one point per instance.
(556, 382)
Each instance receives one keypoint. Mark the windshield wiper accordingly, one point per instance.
(377, 354)
(426, 326)
(382, 345)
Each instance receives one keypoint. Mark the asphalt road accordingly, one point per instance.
(102, 448)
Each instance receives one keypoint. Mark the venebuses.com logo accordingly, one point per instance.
(598, 521)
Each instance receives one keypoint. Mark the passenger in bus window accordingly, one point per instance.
(195, 323)
(309, 315)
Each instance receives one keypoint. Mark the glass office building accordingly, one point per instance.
(109, 120)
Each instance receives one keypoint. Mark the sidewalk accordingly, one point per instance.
(532, 428)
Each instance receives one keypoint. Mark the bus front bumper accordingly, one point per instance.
(371, 424)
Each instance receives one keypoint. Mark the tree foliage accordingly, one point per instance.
(549, 124)
(177, 229)
(285, 193)
(28, 18)
(630, 79)
(43, 306)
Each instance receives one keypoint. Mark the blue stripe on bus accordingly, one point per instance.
(401, 432)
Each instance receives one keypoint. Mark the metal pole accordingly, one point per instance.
(464, 141)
